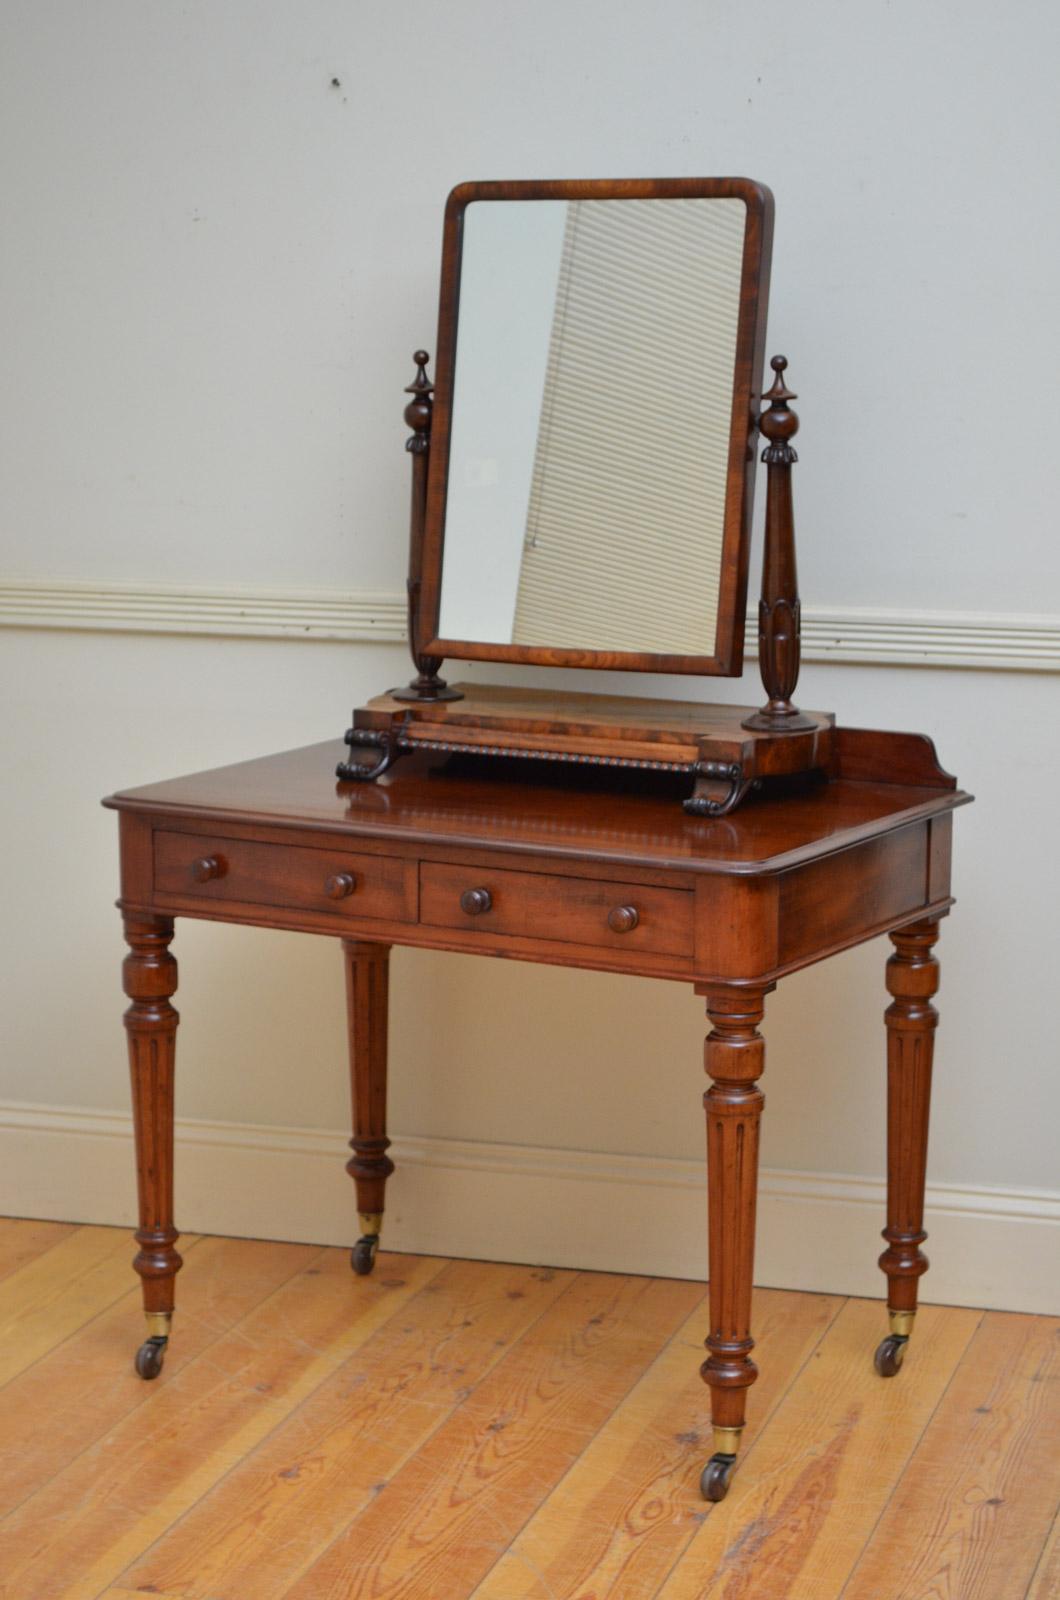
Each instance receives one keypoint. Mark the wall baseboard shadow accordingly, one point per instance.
(1015, 641)
(816, 1231)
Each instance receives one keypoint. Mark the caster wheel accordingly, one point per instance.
(362, 1256)
(149, 1358)
(714, 1482)
(890, 1355)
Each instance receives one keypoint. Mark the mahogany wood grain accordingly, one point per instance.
(874, 885)
(912, 978)
(867, 755)
(626, 724)
(421, 802)
(367, 968)
(563, 910)
(418, 416)
(445, 857)
(738, 924)
(940, 857)
(502, 722)
(150, 978)
(779, 610)
(735, 1058)
(472, 940)
(426, 685)
(253, 873)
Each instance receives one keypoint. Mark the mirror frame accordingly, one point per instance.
(727, 660)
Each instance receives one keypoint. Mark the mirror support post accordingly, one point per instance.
(778, 609)
(426, 685)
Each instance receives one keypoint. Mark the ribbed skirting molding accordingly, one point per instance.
(1016, 641)
(816, 1231)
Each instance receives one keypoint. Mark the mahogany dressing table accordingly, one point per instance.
(559, 828)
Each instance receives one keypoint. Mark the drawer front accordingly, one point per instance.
(199, 866)
(535, 905)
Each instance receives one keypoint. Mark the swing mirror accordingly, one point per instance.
(592, 460)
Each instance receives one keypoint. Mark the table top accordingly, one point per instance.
(525, 809)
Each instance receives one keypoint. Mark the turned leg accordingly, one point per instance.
(150, 977)
(734, 1059)
(912, 978)
(367, 967)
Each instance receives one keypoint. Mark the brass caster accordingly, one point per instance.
(150, 1355)
(890, 1354)
(714, 1480)
(362, 1256)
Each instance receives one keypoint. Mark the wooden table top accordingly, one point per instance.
(425, 799)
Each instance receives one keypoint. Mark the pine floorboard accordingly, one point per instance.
(449, 1430)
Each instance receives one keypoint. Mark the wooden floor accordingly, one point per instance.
(451, 1428)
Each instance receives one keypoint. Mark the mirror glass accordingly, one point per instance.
(592, 413)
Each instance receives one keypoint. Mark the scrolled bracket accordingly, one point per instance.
(703, 803)
(385, 740)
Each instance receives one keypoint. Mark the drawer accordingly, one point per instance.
(536, 905)
(201, 867)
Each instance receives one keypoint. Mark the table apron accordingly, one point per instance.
(740, 928)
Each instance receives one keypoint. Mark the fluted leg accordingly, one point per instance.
(150, 978)
(912, 978)
(735, 1060)
(367, 971)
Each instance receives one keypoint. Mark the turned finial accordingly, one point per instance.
(420, 384)
(779, 424)
(418, 410)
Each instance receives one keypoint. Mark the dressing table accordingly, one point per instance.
(563, 516)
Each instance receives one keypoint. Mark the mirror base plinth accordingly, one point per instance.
(427, 691)
(770, 721)
(709, 746)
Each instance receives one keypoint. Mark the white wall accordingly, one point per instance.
(218, 266)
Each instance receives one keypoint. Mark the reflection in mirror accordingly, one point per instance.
(591, 418)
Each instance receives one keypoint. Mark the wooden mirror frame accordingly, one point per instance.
(727, 660)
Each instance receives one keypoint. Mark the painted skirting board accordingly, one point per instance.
(1010, 641)
(988, 1247)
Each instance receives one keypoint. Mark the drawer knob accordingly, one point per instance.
(623, 919)
(339, 885)
(208, 867)
(475, 901)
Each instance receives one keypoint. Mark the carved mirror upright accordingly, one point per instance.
(583, 475)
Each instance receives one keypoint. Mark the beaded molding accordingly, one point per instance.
(391, 744)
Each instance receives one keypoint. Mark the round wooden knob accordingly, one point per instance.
(475, 901)
(623, 919)
(339, 885)
(208, 867)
